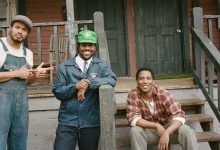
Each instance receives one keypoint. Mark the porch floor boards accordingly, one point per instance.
(124, 84)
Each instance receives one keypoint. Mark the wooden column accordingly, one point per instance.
(107, 118)
(131, 38)
(71, 27)
(101, 35)
(218, 7)
(198, 54)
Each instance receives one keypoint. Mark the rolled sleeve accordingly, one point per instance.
(134, 121)
(181, 119)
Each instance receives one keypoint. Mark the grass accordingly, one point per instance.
(172, 76)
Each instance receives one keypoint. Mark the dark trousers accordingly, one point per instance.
(67, 137)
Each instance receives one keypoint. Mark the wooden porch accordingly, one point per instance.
(43, 111)
(43, 107)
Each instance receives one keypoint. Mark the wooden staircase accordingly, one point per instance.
(194, 109)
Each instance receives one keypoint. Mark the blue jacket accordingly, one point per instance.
(84, 113)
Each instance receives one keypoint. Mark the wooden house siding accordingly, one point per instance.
(44, 11)
(210, 7)
(50, 11)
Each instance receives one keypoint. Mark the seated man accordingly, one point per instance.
(155, 116)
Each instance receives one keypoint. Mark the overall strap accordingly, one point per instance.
(6, 49)
(4, 46)
(24, 51)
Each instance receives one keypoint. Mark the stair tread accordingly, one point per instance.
(207, 136)
(189, 118)
(183, 102)
(199, 117)
(200, 136)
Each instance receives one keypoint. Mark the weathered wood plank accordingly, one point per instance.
(71, 27)
(107, 111)
(102, 40)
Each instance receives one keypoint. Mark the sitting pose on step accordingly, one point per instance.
(155, 116)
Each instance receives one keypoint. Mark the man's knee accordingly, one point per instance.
(185, 131)
(135, 131)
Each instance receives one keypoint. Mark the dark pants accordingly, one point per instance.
(67, 138)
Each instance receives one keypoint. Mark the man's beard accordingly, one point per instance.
(14, 39)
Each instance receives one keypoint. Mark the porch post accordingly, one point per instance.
(131, 38)
(71, 27)
(102, 39)
(198, 55)
(218, 7)
(107, 118)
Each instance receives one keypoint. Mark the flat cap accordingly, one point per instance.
(23, 19)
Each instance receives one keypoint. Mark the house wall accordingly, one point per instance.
(210, 7)
(44, 11)
(50, 11)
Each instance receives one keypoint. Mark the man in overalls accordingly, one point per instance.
(16, 62)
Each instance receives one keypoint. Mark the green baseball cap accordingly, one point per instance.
(87, 36)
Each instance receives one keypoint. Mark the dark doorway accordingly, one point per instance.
(114, 21)
(158, 35)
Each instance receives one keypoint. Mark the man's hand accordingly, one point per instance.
(82, 87)
(22, 73)
(80, 94)
(83, 84)
(40, 72)
(164, 141)
(160, 129)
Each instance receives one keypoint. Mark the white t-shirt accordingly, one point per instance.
(16, 52)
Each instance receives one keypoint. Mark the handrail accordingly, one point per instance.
(206, 58)
(210, 50)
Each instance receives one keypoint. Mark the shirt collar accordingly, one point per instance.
(80, 60)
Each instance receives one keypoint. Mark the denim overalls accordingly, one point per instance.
(13, 106)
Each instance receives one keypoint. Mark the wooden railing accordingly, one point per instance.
(206, 60)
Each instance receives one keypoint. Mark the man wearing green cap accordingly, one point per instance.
(76, 86)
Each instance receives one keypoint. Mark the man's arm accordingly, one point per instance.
(165, 137)
(148, 124)
(107, 77)
(62, 89)
(38, 73)
(176, 117)
(22, 73)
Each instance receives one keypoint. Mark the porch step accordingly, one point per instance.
(212, 137)
(207, 120)
(208, 136)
